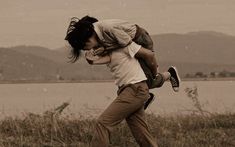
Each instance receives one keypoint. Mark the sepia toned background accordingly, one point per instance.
(47, 101)
(33, 22)
(196, 36)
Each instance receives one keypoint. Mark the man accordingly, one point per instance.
(123, 60)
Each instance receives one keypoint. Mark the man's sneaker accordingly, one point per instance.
(149, 101)
(175, 79)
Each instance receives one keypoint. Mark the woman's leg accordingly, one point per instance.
(166, 75)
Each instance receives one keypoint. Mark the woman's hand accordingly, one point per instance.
(99, 51)
(95, 59)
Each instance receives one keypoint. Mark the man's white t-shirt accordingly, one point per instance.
(125, 67)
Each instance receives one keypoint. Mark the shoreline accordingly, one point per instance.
(101, 81)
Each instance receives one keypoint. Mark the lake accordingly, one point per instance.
(90, 99)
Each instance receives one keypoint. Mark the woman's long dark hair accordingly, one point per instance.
(79, 31)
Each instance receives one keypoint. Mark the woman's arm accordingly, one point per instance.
(95, 59)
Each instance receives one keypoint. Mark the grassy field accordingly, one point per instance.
(197, 129)
(215, 130)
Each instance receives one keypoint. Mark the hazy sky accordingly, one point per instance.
(44, 22)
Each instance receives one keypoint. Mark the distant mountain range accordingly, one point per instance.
(202, 51)
(196, 47)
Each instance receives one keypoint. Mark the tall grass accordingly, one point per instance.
(51, 129)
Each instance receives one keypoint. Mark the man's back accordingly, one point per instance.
(125, 67)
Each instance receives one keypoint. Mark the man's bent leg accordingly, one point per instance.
(123, 106)
(101, 136)
(140, 130)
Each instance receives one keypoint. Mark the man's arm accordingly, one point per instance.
(149, 58)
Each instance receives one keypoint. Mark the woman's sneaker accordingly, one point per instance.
(149, 101)
(174, 79)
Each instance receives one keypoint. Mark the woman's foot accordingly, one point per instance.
(174, 78)
(149, 101)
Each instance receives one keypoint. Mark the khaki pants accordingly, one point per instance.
(128, 105)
